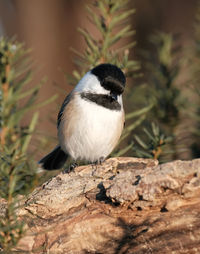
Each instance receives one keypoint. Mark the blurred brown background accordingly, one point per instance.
(49, 28)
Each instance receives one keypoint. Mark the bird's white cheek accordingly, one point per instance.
(90, 83)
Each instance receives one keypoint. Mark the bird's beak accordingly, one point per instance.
(113, 96)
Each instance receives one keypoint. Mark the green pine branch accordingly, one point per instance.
(107, 44)
(17, 168)
(163, 68)
(152, 144)
(194, 64)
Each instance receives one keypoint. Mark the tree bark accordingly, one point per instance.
(125, 205)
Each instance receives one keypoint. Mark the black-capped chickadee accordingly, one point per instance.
(91, 119)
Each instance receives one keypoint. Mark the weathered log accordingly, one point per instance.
(125, 205)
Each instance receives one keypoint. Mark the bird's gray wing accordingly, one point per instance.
(65, 103)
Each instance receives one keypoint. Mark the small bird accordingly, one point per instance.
(91, 119)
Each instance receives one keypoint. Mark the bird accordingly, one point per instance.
(91, 118)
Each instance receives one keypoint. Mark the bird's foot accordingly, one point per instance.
(100, 160)
(73, 166)
(70, 168)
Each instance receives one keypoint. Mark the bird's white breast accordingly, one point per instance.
(94, 132)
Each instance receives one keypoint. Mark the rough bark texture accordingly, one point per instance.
(125, 205)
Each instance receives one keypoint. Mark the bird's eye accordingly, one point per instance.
(113, 96)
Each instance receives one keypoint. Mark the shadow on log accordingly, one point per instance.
(125, 205)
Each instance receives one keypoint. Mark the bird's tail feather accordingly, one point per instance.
(54, 160)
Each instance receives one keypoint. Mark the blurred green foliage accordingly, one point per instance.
(17, 168)
(155, 144)
(162, 66)
(194, 67)
(163, 69)
(16, 171)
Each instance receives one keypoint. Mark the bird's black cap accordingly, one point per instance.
(111, 77)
